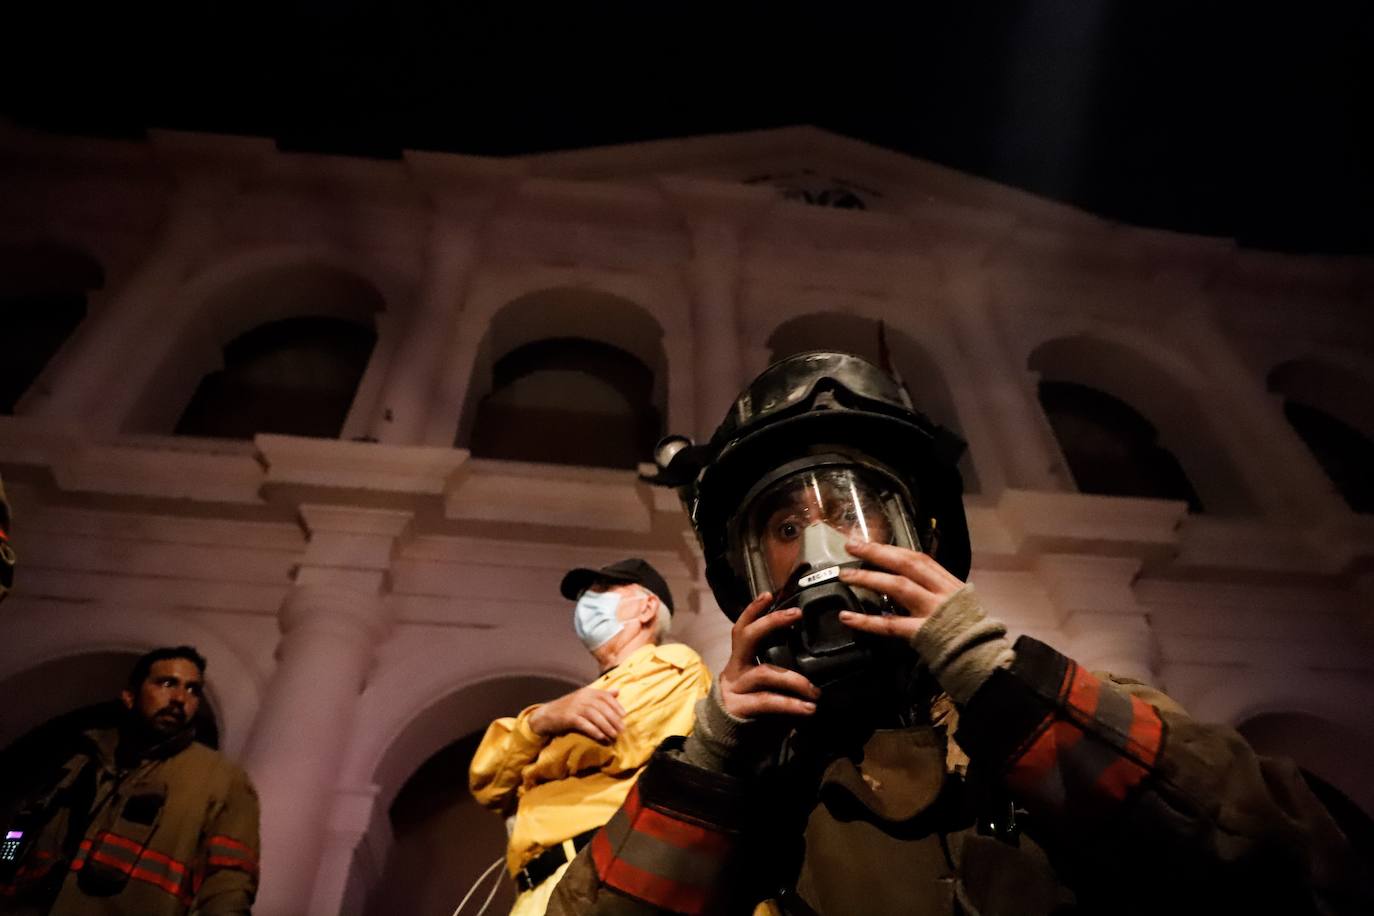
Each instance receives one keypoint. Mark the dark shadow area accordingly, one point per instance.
(443, 842)
(1110, 448)
(568, 401)
(297, 376)
(27, 760)
(1345, 454)
(1357, 826)
(43, 290)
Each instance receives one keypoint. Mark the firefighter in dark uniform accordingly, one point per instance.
(877, 745)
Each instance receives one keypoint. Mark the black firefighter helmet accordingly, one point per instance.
(820, 448)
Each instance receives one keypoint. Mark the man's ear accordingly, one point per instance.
(128, 697)
(649, 613)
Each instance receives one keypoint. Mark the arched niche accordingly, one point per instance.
(568, 376)
(1169, 406)
(43, 292)
(1329, 408)
(300, 332)
(861, 336)
(1110, 448)
(63, 697)
(441, 840)
(295, 376)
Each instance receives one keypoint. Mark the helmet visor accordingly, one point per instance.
(801, 522)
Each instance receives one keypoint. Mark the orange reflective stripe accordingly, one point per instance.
(227, 852)
(1147, 732)
(220, 839)
(146, 865)
(161, 882)
(1093, 749)
(653, 889)
(143, 853)
(672, 831)
(44, 862)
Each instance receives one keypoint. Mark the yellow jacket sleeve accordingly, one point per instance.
(507, 748)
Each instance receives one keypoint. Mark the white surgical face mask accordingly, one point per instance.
(595, 620)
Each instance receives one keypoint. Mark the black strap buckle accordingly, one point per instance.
(542, 866)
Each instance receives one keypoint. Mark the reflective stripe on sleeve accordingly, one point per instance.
(227, 852)
(651, 855)
(1091, 750)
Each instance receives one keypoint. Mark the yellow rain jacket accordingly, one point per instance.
(569, 784)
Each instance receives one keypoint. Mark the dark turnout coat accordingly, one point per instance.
(1083, 794)
(174, 832)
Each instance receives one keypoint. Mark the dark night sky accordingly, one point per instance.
(1214, 118)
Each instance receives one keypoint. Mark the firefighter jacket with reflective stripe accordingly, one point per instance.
(174, 832)
(568, 784)
(1082, 794)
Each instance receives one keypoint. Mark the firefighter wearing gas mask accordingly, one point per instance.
(877, 745)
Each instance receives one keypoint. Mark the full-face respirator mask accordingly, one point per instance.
(791, 540)
(821, 448)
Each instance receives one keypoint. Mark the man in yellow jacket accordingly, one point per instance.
(140, 820)
(565, 766)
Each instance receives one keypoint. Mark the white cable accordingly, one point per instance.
(490, 868)
(496, 885)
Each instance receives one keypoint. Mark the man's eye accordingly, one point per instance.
(788, 531)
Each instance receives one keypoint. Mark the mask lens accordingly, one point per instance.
(803, 521)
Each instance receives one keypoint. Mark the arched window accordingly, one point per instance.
(567, 375)
(568, 401)
(1111, 449)
(43, 290)
(861, 336)
(1345, 454)
(1328, 410)
(1132, 420)
(296, 376)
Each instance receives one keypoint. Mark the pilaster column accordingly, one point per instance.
(1106, 628)
(1024, 442)
(331, 623)
(96, 383)
(353, 843)
(719, 216)
(1286, 481)
(465, 196)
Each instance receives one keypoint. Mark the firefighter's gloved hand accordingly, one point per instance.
(946, 625)
(751, 706)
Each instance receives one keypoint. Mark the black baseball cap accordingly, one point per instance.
(633, 570)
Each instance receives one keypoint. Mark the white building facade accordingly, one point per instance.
(368, 599)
